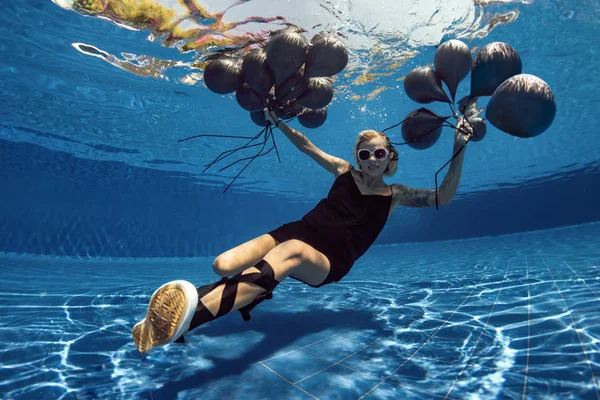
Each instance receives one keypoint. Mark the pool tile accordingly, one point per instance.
(297, 365)
(340, 383)
(335, 348)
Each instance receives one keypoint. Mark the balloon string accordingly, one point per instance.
(403, 121)
(444, 120)
(436, 174)
(262, 144)
(274, 145)
(452, 109)
(469, 137)
(420, 137)
(268, 135)
(227, 153)
(469, 123)
(444, 123)
(222, 136)
(259, 154)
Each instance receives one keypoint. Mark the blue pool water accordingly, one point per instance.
(495, 296)
(506, 317)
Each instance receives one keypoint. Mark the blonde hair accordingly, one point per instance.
(369, 134)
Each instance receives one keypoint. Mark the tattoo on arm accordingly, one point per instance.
(410, 197)
(415, 197)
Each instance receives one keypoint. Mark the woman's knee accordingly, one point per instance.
(222, 266)
(293, 249)
(287, 257)
(290, 253)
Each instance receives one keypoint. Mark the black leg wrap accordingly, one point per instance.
(265, 279)
(202, 315)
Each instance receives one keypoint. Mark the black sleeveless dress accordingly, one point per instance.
(342, 226)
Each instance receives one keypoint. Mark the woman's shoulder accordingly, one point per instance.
(345, 169)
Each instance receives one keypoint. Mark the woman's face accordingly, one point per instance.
(378, 156)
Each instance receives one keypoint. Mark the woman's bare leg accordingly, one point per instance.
(244, 256)
(292, 257)
(169, 311)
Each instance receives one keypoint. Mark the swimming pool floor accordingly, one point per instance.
(510, 317)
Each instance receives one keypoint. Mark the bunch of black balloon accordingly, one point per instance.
(290, 76)
(521, 105)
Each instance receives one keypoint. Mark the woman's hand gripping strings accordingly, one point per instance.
(271, 117)
(297, 138)
(462, 133)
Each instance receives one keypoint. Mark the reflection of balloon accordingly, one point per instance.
(422, 128)
(248, 99)
(326, 57)
(424, 86)
(312, 118)
(291, 88)
(318, 93)
(223, 75)
(258, 117)
(452, 63)
(479, 128)
(286, 52)
(495, 63)
(256, 72)
(523, 106)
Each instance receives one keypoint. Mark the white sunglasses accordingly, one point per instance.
(380, 154)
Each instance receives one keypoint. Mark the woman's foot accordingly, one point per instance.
(170, 312)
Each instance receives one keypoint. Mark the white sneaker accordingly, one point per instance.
(170, 312)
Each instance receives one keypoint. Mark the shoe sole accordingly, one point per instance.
(170, 312)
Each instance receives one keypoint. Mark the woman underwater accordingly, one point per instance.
(318, 249)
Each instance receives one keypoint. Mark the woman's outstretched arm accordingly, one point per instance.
(331, 163)
(410, 197)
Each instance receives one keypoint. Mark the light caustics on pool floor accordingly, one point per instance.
(511, 317)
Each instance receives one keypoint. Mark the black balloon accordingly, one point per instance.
(312, 118)
(495, 63)
(452, 63)
(258, 117)
(523, 106)
(326, 56)
(291, 88)
(288, 111)
(248, 99)
(318, 93)
(223, 75)
(423, 85)
(286, 53)
(422, 129)
(479, 129)
(256, 72)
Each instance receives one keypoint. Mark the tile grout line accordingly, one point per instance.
(303, 347)
(368, 345)
(427, 341)
(480, 334)
(374, 377)
(528, 330)
(288, 381)
(587, 358)
(347, 329)
(583, 280)
(422, 358)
